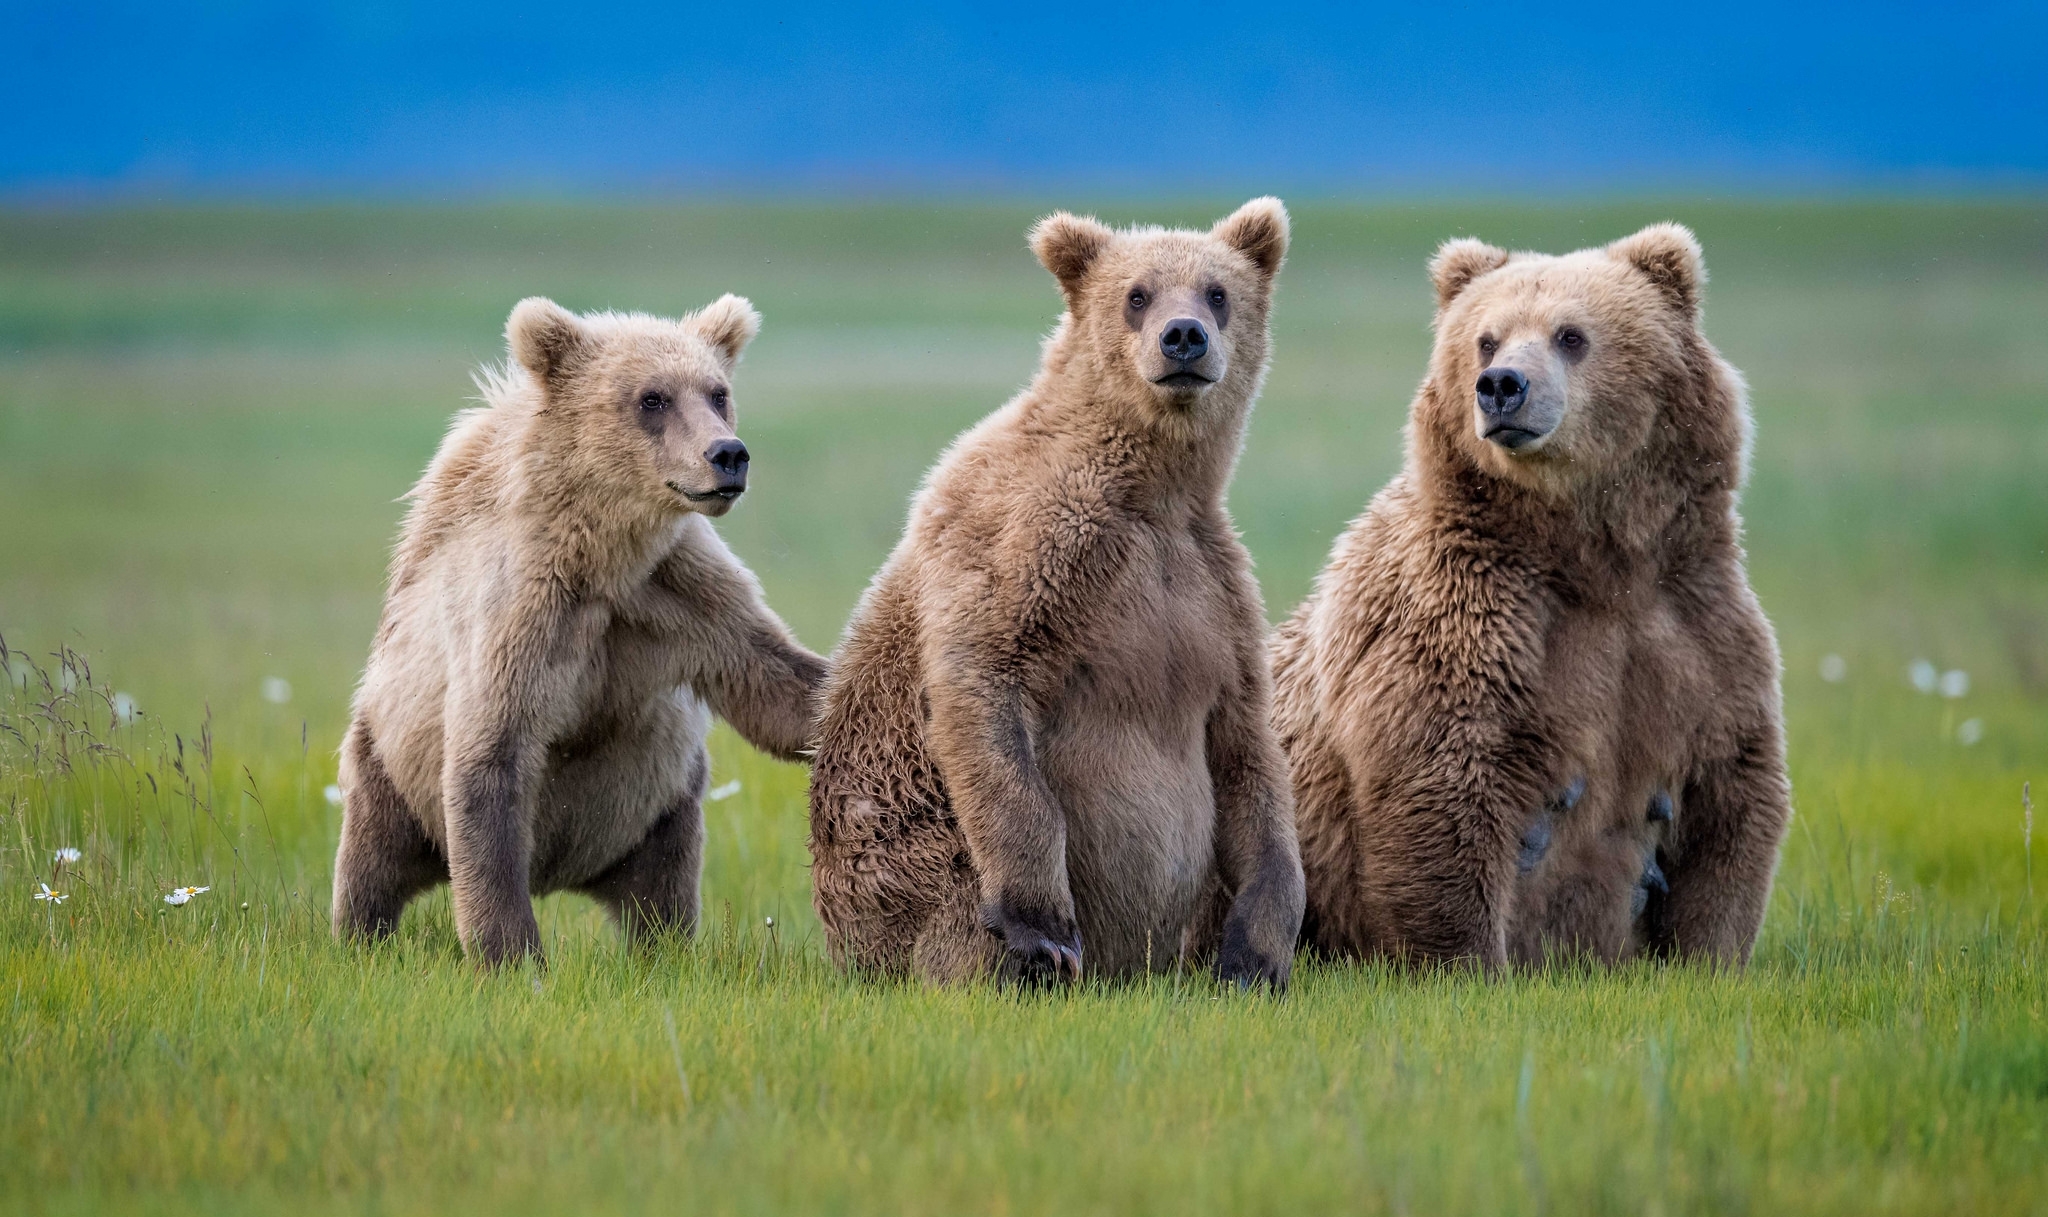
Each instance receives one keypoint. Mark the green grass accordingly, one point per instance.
(205, 417)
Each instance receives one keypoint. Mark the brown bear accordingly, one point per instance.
(1532, 705)
(561, 623)
(1047, 735)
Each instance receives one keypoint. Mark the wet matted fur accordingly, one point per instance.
(1532, 705)
(561, 623)
(1047, 736)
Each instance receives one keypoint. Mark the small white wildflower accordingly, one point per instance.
(723, 792)
(1969, 731)
(184, 895)
(1833, 668)
(332, 795)
(124, 708)
(277, 689)
(1923, 675)
(771, 923)
(53, 897)
(67, 677)
(68, 855)
(1955, 683)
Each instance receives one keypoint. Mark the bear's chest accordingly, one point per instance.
(1156, 648)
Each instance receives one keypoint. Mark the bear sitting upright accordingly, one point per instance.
(1047, 735)
(1532, 705)
(561, 623)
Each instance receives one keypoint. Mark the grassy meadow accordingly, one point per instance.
(206, 416)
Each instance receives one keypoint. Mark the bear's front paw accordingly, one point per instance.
(1241, 962)
(1039, 949)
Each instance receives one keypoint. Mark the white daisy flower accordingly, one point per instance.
(726, 791)
(68, 855)
(124, 708)
(277, 689)
(1970, 731)
(183, 895)
(52, 897)
(1955, 683)
(1924, 675)
(332, 794)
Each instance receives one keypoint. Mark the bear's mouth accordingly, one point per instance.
(1183, 380)
(1514, 439)
(725, 494)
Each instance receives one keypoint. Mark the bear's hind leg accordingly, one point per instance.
(953, 945)
(653, 889)
(385, 858)
(1712, 878)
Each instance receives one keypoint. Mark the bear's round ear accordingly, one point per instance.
(543, 336)
(1458, 262)
(1066, 244)
(728, 323)
(1258, 230)
(1669, 255)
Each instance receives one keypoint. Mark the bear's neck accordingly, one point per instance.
(589, 535)
(1168, 461)
(1667, 507)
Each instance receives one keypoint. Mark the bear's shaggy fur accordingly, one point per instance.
(1046, 736)
(1532, 705)
(561, 622)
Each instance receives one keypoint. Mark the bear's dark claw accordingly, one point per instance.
(1653, 876)
(1535, 844)
(1661, 808)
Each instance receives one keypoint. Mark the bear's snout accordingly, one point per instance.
(1503, 393)
(728, 459)
(1184, 340)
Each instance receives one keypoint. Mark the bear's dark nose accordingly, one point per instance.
(729, 458)
(1502, 391)
(1184, 340)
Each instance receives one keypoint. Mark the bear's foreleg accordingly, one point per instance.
(487, 782)
(653, 889)
(385, 857)
(742, 659)
(1722, 852)
(1257, 856)
(1016, 831)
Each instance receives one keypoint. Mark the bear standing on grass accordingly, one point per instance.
(1532, 706)
(1047, 739)
(561, 623)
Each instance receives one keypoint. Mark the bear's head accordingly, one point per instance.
(641, 406)
(1170, 321)
(1549, 370)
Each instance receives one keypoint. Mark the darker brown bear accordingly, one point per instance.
(1532, 706)
(1047, 738)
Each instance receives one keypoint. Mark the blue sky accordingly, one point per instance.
(462, 97)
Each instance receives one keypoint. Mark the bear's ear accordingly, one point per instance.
(728, 323)
(1460, 261)
(1259, 231)
(543, 336)
(1669, 255)
(1066, 244)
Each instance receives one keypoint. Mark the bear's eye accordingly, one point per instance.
(654, 399)
(721, 402)
(1572, 339)
(1216, 297)
(1487, 346)
(1138, 299)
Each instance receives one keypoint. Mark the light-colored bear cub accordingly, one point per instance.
(561, 623)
